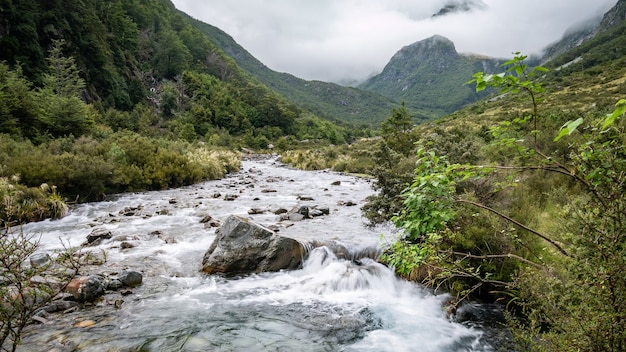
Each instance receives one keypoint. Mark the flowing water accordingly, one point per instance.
(330, 304)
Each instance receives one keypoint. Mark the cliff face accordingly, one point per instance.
(613, 17)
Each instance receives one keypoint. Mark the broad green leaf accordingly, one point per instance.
(610, 119)
(568, 128)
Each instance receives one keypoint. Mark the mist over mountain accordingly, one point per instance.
(455, 6)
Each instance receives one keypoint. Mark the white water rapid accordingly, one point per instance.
(330, 304)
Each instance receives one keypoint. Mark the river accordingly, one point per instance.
(330, 304)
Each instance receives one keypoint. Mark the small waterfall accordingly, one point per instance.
(345, 270)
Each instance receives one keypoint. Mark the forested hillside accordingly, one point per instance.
(103, 97)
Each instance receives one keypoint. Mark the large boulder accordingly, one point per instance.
(243, 247)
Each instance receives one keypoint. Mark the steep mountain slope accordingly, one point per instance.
(144, 55)
(327, 100)
(607, 43)
(430, 77)
(119, 46)
(571, 39)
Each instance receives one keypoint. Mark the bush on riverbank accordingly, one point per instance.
(86, 168)
(20, 204)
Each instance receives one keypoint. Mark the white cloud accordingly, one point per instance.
(335, 40)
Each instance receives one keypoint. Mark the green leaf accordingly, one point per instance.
(620, 108)
(568, 128)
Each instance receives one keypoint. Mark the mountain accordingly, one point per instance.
(328, 100)
(454, 6)
(429, 76)
(606, 42)
(571, 39)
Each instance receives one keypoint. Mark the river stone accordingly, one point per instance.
(85, 288)
(316, 213)
(39, 260)
(294, 217)
(98, 234)
(242, 246)
(304, 211)
(130, 278)
(114, 284)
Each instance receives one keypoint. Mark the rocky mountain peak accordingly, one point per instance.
(435, 46)
(455, 6)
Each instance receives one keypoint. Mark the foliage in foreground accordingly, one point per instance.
(25, 286)
(538, 222)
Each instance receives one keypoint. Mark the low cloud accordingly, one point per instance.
(335, 41)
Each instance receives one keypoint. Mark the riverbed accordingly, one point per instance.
(330, 304)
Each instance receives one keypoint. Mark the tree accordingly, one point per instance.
(396, 130)
(17, 110)
(172, 56)
(63, 77)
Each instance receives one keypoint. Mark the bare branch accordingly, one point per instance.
(546, 238)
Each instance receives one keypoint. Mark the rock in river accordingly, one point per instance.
(243, 247)
(85, 288)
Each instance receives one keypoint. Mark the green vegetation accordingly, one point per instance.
(330, 101)
(532, 215)
(99, 98)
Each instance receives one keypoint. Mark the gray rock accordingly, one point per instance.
(314, 213)
(127, 245)
(114, 284)
(304, 211)
(60, 306)
(336, 183)
(295, 217)
(256, 211)
(280, 211)
(130, 278)
(40, 260)
(230, 197)
(98, 234)
(51, 282)
(242, 246)
(85, 288)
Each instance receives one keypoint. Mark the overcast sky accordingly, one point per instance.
(341, 40)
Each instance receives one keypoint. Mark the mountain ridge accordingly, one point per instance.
(329, 100)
